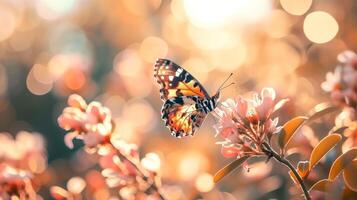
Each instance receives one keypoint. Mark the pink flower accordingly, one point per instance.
(27, 151)
(348, 58)
(120, 161)
(333, 80)
(122, 167)
(346, 117)
(14, 176)
(15, 182)
(264, 103)
(226, 127)
(92, 123)
(21, 158)
(342, 83)
(230, 151)
(245, 124)
(75, 187)
(151, 162)
(124, 147)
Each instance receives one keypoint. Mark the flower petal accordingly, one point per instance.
(346, 56)
(68, 139)
(151, 162)
(280, 104)
(68, 122)
(77, 101)
(268, 93)
(230, 152)
(241, 107)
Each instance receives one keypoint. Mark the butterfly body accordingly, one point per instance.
(186, 102)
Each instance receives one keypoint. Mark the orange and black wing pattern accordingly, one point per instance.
(175, 81)
(181, 116)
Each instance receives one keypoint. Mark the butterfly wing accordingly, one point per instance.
(175, 81)
(181, 116)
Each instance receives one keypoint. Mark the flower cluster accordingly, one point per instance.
(75, 186)
(245, 124)
(20, 160)
(123, 169)
(342, 83)
(92, 123)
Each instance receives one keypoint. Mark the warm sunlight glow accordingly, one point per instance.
(191, 165)
(7, 23)
(76, 185)
(204, 182)
(320, 27)
(152, 48)
(35, 86)
(296, 7)
(214, 13)
(53, 9)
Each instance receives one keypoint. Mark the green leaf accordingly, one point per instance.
(289, 129)
(341, 162)
(322, 148)
(229, 168)
(320, 110)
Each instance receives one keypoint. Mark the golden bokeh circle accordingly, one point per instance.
(296, 7)
(320, 27)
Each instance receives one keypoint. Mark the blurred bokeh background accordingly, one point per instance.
(105, 50)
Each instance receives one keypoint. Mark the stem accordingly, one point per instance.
(154, 187)
(281, 159)
(139, 169)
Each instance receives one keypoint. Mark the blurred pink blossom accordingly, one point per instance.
(27, 151)
(342, 83)
(20, 159)
(151, 162)
(123, 169)
(15, 182)
(92, 123)
(245, 124)
(75, 187)
(13, 176)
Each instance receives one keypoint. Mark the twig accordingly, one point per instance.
(153, 185)
(271, 153)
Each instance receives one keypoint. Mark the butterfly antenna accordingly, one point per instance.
(227, 86)
(225, 81)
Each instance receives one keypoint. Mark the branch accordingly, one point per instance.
(139, 169)
(271, 153)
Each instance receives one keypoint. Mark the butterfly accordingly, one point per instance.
(186, 102)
